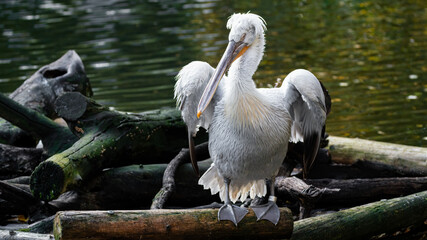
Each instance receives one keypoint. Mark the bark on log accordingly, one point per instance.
(166, 224)
(16, 235)
(109, 139)
(40, 91)
(349, 150)
(365, 221)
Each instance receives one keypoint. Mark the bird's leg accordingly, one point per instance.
(268, 211)
(229, 211)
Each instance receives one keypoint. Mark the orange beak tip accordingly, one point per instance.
(198, 114)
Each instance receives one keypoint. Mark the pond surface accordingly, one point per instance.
(371, 55)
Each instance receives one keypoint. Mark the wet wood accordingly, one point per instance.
(350, 150)
(365, 221)
(167, 224)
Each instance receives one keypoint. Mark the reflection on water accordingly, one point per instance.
(371, 55)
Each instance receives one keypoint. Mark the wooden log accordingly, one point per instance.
(40, 91)
(115, 139)
(349, 150)
(166, 224)
(135, 186)
(354, 192)
(17, 161)
(365, 221)
(17, 235)
(55, 137)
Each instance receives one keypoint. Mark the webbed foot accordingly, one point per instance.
(268, 211)
(232, 213)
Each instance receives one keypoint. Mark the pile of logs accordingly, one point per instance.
(105, 164)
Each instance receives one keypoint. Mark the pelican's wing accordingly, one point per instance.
(308, 108)
(190, 84)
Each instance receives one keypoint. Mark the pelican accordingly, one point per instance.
(249, 128)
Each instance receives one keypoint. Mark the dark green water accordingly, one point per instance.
(371, 55)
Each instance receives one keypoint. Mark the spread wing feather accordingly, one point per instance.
(306, 104)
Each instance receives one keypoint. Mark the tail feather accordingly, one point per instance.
(238, 190)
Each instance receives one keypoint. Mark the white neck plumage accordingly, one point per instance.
(242, 100)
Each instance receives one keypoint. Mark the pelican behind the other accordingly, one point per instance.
(249, 127)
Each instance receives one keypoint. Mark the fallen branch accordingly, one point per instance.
(166, 224)
(168, 185)
(365, 221)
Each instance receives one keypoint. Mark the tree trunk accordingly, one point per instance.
(365, 221)
(349, 150)
(167, 224)
(39, 92)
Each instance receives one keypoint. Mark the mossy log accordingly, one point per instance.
(365, 221)
(350, 150)
(108, 139)
(39, 92)
(167, 224)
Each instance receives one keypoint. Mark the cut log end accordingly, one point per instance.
(47, 181)
(71, 106)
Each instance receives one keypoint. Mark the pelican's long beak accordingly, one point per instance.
(234, 51)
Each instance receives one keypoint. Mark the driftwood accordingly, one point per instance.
(39, 92)
(365, 221)
(348, 151)
(16, 235)
(166, 224)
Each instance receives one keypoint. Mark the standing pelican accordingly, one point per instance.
(249, 127)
